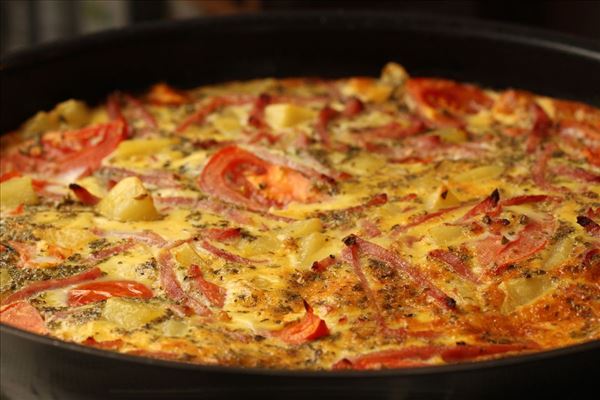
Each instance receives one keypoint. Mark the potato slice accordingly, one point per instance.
(129, 314)
(442, 197)
(287, 115)
(17, 191)
(141, 147)
(487, 172)
(128, 201)
(522, 291)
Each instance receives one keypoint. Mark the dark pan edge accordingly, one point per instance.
(400, 372)
(560, 42)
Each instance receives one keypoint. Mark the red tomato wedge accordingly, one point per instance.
(9, 175)
(63, 151)
(309, 328)
(24, 316)
(445, 103)
(239, 177)
(40, 286)
(97, 291)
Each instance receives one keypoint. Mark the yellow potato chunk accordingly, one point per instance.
(393, 74)
(442, 197)
(447, 235)
(129, 314)
(451, 135)
(561, 251)
(367, 89)
(141, 147)
(484, 173)
(72, 113)
(93, 185)
(5, 279)
(521, 291)
(287, 115)
(17, 191)
(302, 228)
(316, 246)
(227, 124)
(128, 201)
(186, 255)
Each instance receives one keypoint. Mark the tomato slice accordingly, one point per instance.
(62, 151)
(9, 175)
(97, 291)
(238, 176)
(445, 103)
(309, 328)
(105, 140)
(24, 316)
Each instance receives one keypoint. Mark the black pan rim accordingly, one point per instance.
(465, 27)
(493, 30)
(464, 367)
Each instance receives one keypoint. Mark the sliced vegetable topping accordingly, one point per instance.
(24, 316)
(446, 103)
(41, 286)
(307, 329)
(403, 266)
(97, 291)
(237, 176)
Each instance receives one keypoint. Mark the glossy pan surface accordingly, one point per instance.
(296, 44)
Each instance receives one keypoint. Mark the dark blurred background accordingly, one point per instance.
(27, 22)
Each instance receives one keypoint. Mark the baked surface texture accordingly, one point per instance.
(303, 223)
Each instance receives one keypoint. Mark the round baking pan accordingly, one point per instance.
(340, 44)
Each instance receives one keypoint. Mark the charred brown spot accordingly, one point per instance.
(450, 302)
(495, 197)
(585, 221)
(350, 240)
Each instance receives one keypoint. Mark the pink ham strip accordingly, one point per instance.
(225, 255)
(169, 282)
(146, 236)
(162, 179)
(350, 255)
(455, 262)
(141, 110)
(488, 206)
(403, 266)
(422, 219)
(539, 170)
(577, 173)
